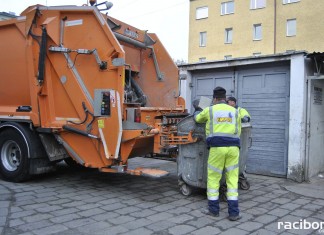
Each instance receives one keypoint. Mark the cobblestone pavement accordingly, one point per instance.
(90, 202)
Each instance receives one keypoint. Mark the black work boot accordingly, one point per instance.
(206, 211)
(234, 217)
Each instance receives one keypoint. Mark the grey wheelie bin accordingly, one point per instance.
(192, 158)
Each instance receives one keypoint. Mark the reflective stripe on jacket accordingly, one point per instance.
(222, 125)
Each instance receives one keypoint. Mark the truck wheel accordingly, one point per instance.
(14, 164)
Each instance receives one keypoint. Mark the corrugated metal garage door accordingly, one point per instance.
(204, 84)
(265, 94)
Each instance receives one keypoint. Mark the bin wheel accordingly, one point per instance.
(185, 189)
(244, 184)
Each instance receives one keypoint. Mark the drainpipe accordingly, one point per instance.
(307, 131)
(275, 28)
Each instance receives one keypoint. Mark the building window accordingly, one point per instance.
(256, 4)
(291, 27)
(202, 59)
(201, 13)
(228, 35)
(227, 8)
(203, 39)
(289, 1)
(257, 32)
(227, 57)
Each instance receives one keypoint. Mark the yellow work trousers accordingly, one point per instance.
(223, 159)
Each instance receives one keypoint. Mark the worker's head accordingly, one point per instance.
(219, 94)
(231, 101)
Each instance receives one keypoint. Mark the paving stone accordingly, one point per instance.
(181, 219)
(312, 207)
(302, 213)
(161, 208)
(65, 218)
(37, 217)
(91, 212)
(263, 232)
(280, 200)
(4, 212)
(279, 212)
(15, 222)
(250, 226)
(269, 205)
(127, 210)
(135, 224)
(210, 230)
(3, 220)
(256, 211)
(48, 209)
(21, 214)
(113, 230)
(160, 216)
(265, 219)
(232, 231)
(105, 216)
(160, 226)
(4, 204)
(201, 222)
(302, 201)
(143, 213)
(31, 226)
(290, 206)
(93, 227)
(78, 222)
(181, 229)
(121, 219)
(319, 202)
(57, 228)
(260, 199)
(64, 211)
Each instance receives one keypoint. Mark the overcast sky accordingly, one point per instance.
(169, 19)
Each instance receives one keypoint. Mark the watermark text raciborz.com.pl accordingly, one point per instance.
(302, 224)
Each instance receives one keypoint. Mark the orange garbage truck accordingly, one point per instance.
(81, 86)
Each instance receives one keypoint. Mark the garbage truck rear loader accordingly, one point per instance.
(78, 85)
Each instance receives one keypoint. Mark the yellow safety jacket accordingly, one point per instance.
(222, 125)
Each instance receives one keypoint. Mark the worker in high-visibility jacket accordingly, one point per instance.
(223, 139)
(245, 116)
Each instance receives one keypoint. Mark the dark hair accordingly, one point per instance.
(219, 92)
(231, 98)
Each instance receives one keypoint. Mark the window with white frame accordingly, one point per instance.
(289, 1)
(227, 8)
(202, 39)
(257, 32)
(256, 4)
(201, 13)
(202, 59)
(228, 35)
(291, 27)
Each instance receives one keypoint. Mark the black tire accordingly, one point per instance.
(185, 189)
(244, 184)
(14, 154)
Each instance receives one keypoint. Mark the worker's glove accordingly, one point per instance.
(196, 113)
(195, 104)
(246, 119)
